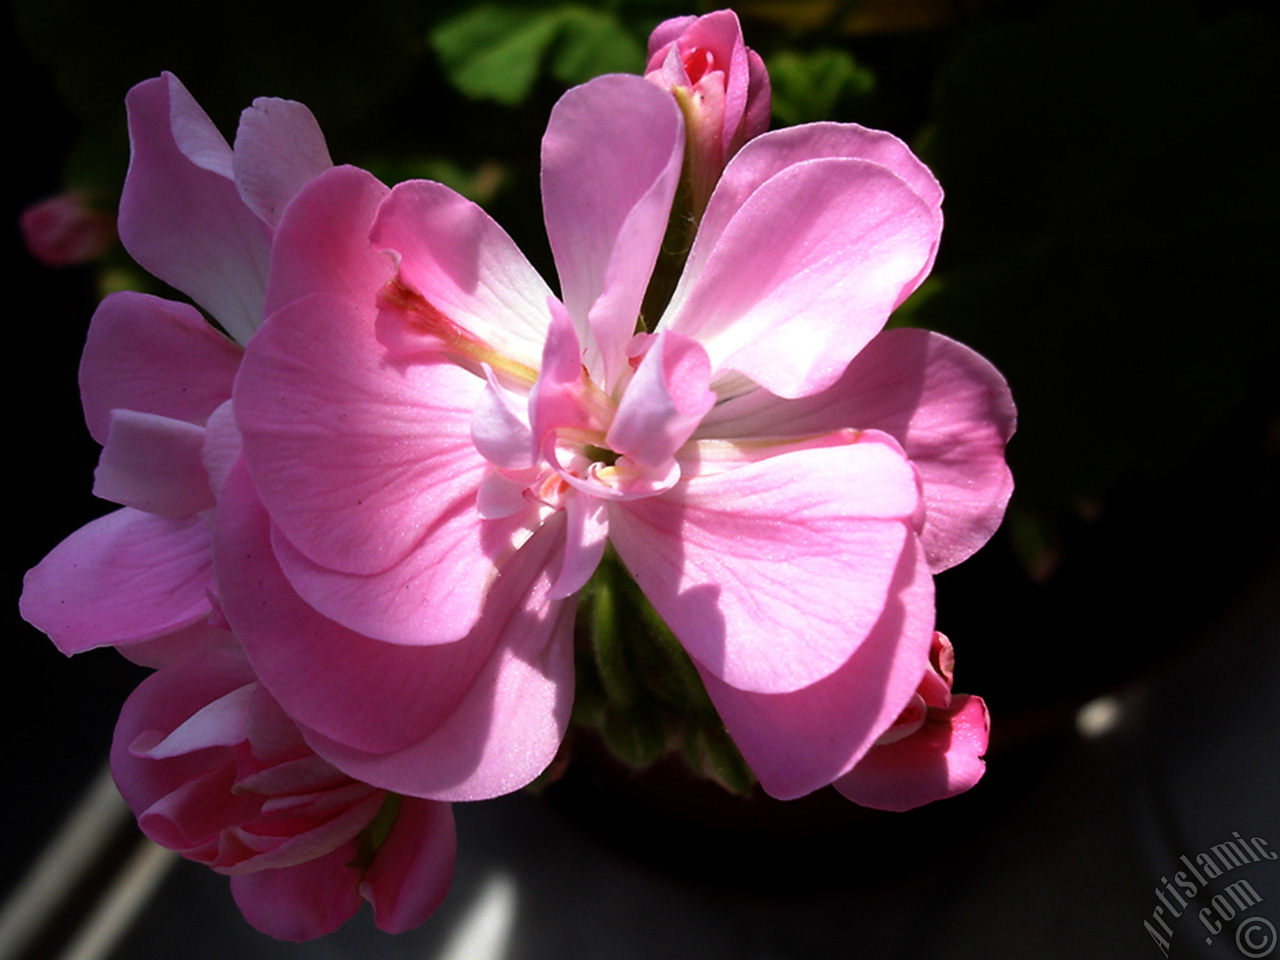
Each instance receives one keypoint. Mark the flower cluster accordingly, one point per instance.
(356, 521)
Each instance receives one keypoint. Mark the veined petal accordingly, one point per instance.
(322, 242)
(341, 683)
(153, 356)
(949, 408)
(804, 273)
(664, 402)
(839, 718)
(123, 578)
(356, 459)
(475, 718)
(611, 162)
(453, 255)
(181, 216)
(771, 574)
(771, 153)
(154, 464)
(279, 148)
(508, 726)
(940, 760)
(433, 595)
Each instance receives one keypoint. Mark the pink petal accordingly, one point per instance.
(500, 427)
(433, 595)
(454, 256)
(480, 716)
(322, 242)
(800, 741)
(222, 446)
(771, 153)
(161, 704)
(558, 398)
(771, 574)
(355, 459)
(410, 875)
(804, 273)
(949, 408)
(665, 33)
(586, 533)
(318, 831)
(942, 759)
(154, 464)
(664, 402)
(222, 722)
(123, 578)
(171, 647)
(181, 216)
(301, 902)
(154, 356)
(720, 34)
(279, 148)
(611, 162)
(508, 725)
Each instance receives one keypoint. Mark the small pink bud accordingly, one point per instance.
(66, 229)
(722, 87)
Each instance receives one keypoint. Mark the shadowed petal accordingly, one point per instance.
(301, 902)
(798, 742)
(322, 243)
(463, 720)
(410, 876)
(356, 459)
(772, 573)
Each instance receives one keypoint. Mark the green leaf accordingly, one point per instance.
(636, 738)
(810, 86)
(497, 53)
(593, 43)
(721, 761)
(494, 53)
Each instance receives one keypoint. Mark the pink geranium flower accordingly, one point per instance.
(156, 378)
(213, 769)
(442, 448)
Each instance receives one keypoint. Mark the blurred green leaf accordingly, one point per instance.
(497, 53)
(810, 86)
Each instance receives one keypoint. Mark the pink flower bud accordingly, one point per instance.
(213, 768)
(722, 87)
(66, 229)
